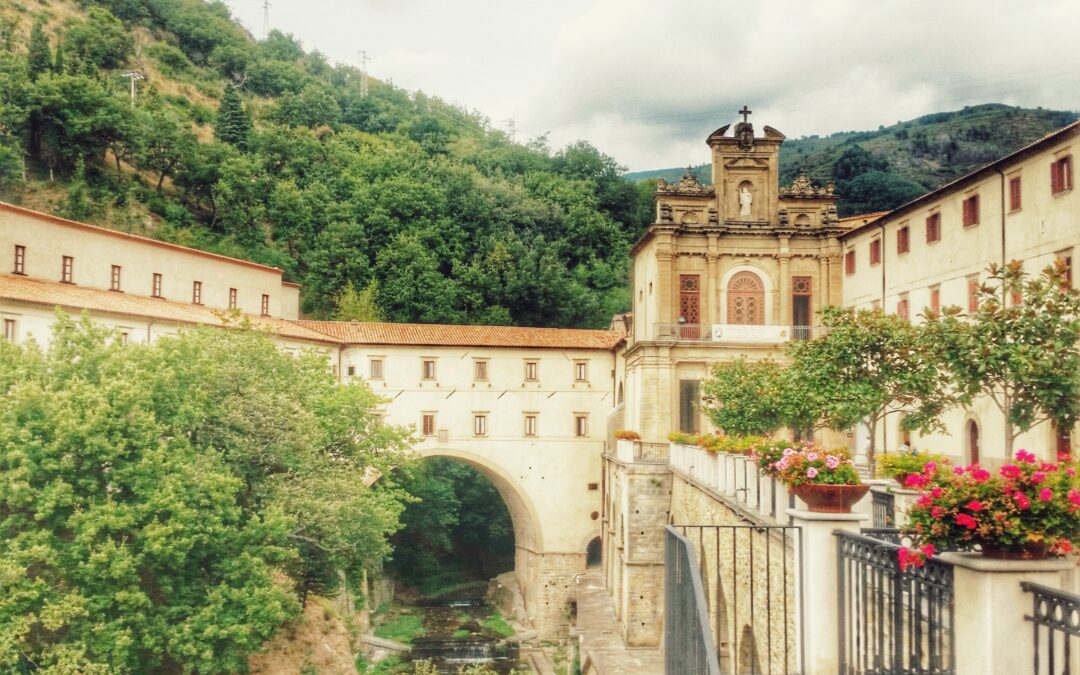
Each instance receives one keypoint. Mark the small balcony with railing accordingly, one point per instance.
(730, 334)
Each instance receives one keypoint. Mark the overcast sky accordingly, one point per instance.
(647, 81)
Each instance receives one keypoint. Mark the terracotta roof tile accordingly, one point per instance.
(356, 332)
(77, 298)
(864, 217)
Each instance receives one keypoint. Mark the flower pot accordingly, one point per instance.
(1035, 550)
(824, 498)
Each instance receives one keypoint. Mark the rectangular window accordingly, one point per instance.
(581, 425)
(479, 426)
(973, 294)
(530, 424)
(532, 371)
(849, 262)
(689, 394)
(902, 307)
(971, 211)
(480, 370)
(935, 299)
(427, 424)
(427, 369)
(933, 228)
(1066, 261)
(351, 371)
(801, 304)
(20, 260)
(1061, 175)
(9, 330)
(375, 369)
(903, 240)
(1015, 199)
(1017, 298)
(875, 252)
(124, 338)
(581, 371)
(66, 268)
(265, 309)
(232, 298)
(196, 293)
(156, 289)
(114, 282)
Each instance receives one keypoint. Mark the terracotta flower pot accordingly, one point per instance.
(824, 498)
(1030, 551)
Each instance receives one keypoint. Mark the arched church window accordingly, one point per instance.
(746, 299)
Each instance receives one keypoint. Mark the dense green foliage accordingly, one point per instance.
(166, 507)
(265, 151)
(459, 530)
(880, 170)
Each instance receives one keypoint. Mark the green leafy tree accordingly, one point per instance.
(101, 41)
(745, 397)
(39, 58)
(353, 305)
(867, 366)
(166, 143)
(233, 124)
(1020, 348)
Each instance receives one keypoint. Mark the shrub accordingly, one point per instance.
(900, 465)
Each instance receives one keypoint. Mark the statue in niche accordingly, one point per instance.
(746, 200)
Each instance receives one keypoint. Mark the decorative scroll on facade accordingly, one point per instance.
(687, 185)
(802, 187)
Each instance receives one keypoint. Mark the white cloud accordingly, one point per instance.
(647, 81)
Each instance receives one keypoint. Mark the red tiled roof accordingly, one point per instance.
(356, 332)
(864, 218)
(77, 298)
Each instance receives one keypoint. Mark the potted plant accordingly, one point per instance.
(900, 465)
(1027, 510)
(825, 479)
(625, 435)
(768, 451)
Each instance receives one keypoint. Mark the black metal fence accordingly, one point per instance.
(749, 579)
(688, 643)
(1055, 614)
(893, 620)
(884, 509)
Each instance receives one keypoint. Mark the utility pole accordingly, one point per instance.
(363, 74)
(266, 18)
(511, 129)
(133, 76)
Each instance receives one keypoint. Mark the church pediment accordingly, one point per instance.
(744, 162)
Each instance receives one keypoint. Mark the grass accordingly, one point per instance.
(401, 625)
(461, 633)
(498, 625)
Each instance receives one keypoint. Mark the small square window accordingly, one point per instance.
(581, 425)
(351, 371)
(427, 424)
(581, 371)
(66, 269)
(232, 298)
(427, 369)
(20, 260)
(480, 370)
(9, 331)
(480, 425)
(124, 338)
(530, 424)
(114, 281)
(532, 371)
(375, 369)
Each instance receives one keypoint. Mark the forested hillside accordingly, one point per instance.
(879, 170)
(263, 150)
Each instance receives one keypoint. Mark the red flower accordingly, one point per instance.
(1038, 477)
(1045, 494)
(1025, 457)
(928, 550)
(980, 475)
(965, 520)
(1010, 471)
(1022, 500)
(915, 480)
(937, 512)
(935, 493)
(975, 505)
(1074, 497)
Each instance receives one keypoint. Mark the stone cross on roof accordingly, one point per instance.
(745, 113)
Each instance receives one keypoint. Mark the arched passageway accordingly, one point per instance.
(593, 554)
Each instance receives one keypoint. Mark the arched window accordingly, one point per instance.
(746, 299)
(973, 441)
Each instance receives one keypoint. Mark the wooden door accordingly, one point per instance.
(746, 300)
(689, 305)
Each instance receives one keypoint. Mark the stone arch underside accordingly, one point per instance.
(527, 531)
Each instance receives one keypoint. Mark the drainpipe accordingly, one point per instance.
(884, 426)
(1003, 261)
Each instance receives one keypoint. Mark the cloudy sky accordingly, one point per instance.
(647, 81)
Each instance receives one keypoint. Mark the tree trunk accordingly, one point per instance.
(160, 180)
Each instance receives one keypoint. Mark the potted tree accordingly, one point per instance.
(825, 480)
(901, 465)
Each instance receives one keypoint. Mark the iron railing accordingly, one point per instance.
(749, 580)
(802, 332)
(688, 643)
(1058, 612)
(683, 332)
(884, 509)
(893, 621)
(651, 453)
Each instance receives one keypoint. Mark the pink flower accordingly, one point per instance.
(975, 505)
(930, 467)
(1074, 497)
(1045, 495)
(935, 492)
(832, 461)
(937, 512)
(924, 500)
(964, 520)
(1025, 457)
(1022, 500)
(789, 451)
(1010, 470)
(958, 470)
(904, 556)
(812, 456)
(1038, 477)
(1063, 457)
(915, 480)
(811, 472)
(980, 475)
(928, 550)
